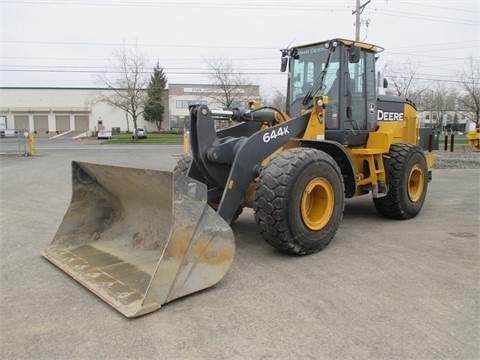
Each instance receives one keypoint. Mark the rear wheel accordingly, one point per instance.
(299, 201)
(407, 175)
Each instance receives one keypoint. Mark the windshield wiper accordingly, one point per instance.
(318, 84)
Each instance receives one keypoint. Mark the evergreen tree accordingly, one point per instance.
(154, 107)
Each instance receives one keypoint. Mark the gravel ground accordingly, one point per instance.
(458, 159)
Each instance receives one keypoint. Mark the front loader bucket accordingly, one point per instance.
(140, 238)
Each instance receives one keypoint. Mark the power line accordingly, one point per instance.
(424, 47)
(431, 5)
(192, 71)
(277, 5)
(41, 42)
(409, 15)
(437, 46)
(245, 4)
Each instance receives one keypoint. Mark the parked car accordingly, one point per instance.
(7, 132)
(142, 133)
(104, 134)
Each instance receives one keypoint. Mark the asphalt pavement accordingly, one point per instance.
(383, 289)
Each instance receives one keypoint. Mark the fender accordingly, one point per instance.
(343, 159)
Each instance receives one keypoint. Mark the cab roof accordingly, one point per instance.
(370, 47)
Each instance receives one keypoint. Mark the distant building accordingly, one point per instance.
(447, 121)
(181, 96)
(52, 111)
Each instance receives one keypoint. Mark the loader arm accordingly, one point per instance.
(232, 163)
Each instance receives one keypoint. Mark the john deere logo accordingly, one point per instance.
(390, 115)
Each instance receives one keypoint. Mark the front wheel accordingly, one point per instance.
(407, 175)
(299, 201)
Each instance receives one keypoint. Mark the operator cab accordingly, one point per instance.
(344, 71)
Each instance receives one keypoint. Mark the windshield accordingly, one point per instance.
(306, 74)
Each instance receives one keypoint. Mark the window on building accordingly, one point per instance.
(184, 104)
(177, 123)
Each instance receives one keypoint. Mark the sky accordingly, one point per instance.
(67, 43)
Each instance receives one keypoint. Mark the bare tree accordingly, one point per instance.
(126, 83)
(444, 101)
(230, 84)
(439, 101)
(470, 83)
(278, 100)
(404, 81)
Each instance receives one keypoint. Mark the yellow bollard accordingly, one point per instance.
(31, 144)
(186, 142)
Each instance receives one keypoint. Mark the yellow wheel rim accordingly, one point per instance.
(317, 203)
(416, 183)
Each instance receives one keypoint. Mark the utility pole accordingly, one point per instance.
(358, 11)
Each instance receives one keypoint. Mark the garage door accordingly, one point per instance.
(40, 125)
(20, 122)
(62, 123)
(81, 123)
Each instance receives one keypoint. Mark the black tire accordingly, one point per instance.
(184, 164)
(299, 201)
(407, 178)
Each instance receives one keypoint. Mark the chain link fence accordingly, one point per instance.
(14, 142)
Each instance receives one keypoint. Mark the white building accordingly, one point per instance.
(52, 111)
(448, 121)
(181, 96)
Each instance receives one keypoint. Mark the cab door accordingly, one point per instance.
(360, 96)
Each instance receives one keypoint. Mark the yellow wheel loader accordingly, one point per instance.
(140, 238)
(473, 138)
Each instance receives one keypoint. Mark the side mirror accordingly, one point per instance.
(354, 56)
